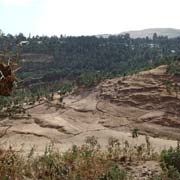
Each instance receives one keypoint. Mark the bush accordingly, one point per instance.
(170, 164)
(86, 162)
(89, 79)
(115, 173)
(168, 174)
(174, 69)
(171, 158)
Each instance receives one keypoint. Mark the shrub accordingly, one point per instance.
(135, 132)
(173, 69)
(170, 164)
(171, 158)
(115, 173)
(168, 174)
(86, 162)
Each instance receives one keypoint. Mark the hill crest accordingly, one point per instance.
(170, 32)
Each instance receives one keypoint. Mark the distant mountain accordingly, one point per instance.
(170, 32)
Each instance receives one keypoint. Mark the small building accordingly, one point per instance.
(173, 51)
(23, 43)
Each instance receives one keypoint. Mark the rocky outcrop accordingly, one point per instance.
(147, 93)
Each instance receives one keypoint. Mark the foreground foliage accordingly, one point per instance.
(87, 162)
(171, 163)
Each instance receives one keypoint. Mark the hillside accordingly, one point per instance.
(170, 32)
(108, 113)
(50, 59)
(114, 108)
(142, 101)
(37, 58)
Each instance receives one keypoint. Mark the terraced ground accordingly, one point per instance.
(113, 108)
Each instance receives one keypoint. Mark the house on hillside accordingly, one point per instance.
(173, 51)
(23, 43)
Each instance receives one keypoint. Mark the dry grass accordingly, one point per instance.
(87, 162)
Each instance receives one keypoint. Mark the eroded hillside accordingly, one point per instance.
(113, 108)
(144, 101)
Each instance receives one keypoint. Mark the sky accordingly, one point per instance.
(86, 17)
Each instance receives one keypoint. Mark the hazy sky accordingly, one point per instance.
(86, 17)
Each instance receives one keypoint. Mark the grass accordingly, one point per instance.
(86, 162)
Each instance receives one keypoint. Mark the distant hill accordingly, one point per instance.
(170, 32)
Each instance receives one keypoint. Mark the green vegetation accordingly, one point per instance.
(65, 88)
(171, 158)
(135, 132)
(170, 163)
(87, 162)
(89, 57)
(89, 79)
(84, 61)
(174, 68)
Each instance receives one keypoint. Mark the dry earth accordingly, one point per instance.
(113, 108)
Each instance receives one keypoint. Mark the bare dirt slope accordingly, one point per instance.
(113, 108)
